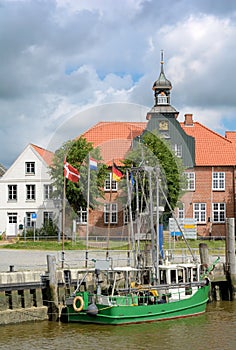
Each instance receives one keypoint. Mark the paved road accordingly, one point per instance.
(23, 260)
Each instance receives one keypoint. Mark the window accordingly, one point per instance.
(110, 184)
(30, 168)
(30, 192)
(218, 181)
(181, 213)
(173, 276)
(48, 189)
(178, 150)
(218, 212)
(12, 192)
(190, 181)
(82, 216)
(47, 217)
(110, 213)
(162, 99)
(12, 218)
(28, 219)
(199, 212)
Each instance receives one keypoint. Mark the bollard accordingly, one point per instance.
(204, 257)
(53, 308)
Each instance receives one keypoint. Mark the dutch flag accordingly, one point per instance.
(93, 164)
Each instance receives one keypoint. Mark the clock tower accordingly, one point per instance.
(161, 88)
(162, 120)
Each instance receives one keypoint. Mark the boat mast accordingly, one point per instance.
(131, 217)
(156, 174)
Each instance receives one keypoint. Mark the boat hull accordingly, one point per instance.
(134, 313)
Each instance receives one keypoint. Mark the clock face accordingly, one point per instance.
(163, 125)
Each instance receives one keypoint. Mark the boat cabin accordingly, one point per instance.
(179, 273)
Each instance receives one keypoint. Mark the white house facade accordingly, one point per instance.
(26, 192)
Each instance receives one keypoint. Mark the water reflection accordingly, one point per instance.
(215, 330)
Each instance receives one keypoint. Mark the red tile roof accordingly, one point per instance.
(211, 149)
(231, 135)
(45, 154)
(114, 138)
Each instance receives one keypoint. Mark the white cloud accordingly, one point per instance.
(63, 57)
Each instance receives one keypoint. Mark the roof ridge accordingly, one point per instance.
(211, 131)
(119, 121)
(43, 149)
(110, 122)
(45, 154)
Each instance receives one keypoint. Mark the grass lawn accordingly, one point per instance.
(213, 245)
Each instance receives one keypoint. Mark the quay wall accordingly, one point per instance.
(22, 296)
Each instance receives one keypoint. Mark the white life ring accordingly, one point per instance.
(78, 309)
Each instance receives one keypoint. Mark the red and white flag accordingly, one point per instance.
(71, 173)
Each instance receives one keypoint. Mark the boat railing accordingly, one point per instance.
(142, 294)
(163, 287)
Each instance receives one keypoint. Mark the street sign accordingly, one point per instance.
(187, 225)
(33, 216)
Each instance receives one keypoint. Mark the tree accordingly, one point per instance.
(154, 151)
(77, 154)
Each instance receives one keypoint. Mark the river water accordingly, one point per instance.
(216, 329)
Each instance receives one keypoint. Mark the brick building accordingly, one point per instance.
(209, 160)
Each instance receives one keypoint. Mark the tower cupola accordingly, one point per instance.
(162, 87)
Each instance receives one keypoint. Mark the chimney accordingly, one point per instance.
(188, 120)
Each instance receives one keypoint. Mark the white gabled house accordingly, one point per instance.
(25, 192)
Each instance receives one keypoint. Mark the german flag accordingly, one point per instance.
(116, 173)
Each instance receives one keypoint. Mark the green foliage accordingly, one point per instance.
(77, 154)
(171, 166)
(153, 151)
(49, 228)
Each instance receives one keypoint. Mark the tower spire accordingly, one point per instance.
(162, 87)
(162, 61)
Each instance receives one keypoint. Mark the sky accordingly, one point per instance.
(65, 65)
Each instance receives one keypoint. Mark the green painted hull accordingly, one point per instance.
(134, 313)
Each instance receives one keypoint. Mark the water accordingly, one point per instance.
(216, 329)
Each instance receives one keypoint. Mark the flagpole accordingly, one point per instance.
(73, 175)
(63, 222)
(87, 227)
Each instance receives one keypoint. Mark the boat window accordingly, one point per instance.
(189, 274)
(173, 276)
(180, 275)
(195, 274)
(163, 276)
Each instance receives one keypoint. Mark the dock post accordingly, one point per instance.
(53, 309)
(204, 257)
(230, 254)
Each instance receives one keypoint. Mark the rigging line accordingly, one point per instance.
(174, 217)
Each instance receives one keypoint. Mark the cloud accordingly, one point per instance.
(59, 58)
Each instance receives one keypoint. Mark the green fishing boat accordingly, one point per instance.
(153, 288)
(138, 303)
